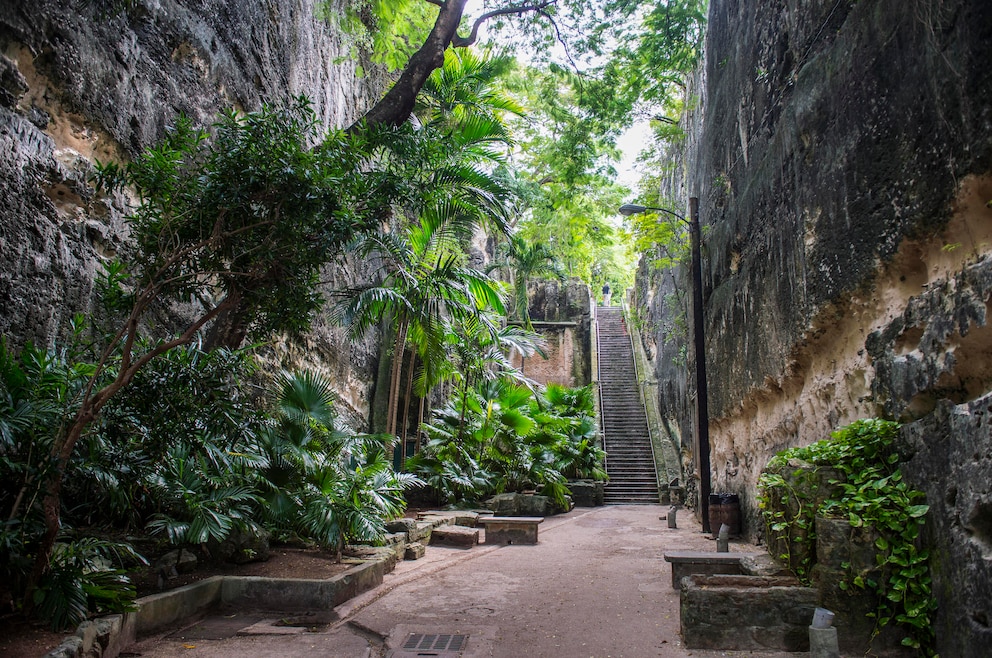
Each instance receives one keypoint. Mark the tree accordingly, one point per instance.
(425, 284)
(398, 103)
(224, 219)
(525, 261)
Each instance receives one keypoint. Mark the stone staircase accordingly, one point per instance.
(629, 458)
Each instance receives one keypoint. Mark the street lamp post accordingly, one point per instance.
(699, 346)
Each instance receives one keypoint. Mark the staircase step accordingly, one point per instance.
(629, 455)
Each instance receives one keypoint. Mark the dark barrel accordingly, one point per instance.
(725, 508)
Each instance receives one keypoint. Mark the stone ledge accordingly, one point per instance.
(688, 563)
(107, 637)
(455, 535)
(511, 529)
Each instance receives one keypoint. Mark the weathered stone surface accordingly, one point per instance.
(81, 81)
(807, 111)
(702, 563)
(511, 529)
(401, 525)
(935, 348)
(746, 613)
(414, 551)
(950, 458)
(455, 535)
(422, 531)
(587, 493)
(837, 544)
(762, 564)
(387, 556)
(562, 315)
(182, 561)
(515, 504)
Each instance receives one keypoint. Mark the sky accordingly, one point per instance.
(630, 143)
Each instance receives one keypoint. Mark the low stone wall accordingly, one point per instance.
(743, 613)
(108, 636)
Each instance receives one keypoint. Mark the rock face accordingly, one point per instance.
(842, 156)
(81, 81)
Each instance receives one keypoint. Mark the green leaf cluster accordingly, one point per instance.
(500, 436)
(867, 489)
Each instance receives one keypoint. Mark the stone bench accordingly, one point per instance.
(511, 529)
(688, 563)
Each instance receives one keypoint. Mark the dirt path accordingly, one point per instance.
(595, 586)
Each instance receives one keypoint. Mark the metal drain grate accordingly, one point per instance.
(439, 646)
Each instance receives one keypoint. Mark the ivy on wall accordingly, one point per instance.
(855, 476)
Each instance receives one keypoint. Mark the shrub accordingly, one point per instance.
(868, 491)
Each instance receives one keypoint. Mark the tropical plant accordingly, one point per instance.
(352, 500)
(82, 580)
(870, 492)
(501, 436)
(525, 261)
(223, 217)
(202, 497)
(319, 483)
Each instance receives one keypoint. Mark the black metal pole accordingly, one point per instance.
(699, 346)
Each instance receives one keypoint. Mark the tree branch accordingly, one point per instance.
(459, 41)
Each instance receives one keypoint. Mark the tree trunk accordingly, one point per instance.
(396, 106)
(406, 403)
(93, 402)
(229, 329)
(420, 419)
(394, 379)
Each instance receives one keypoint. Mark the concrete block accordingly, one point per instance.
(688, 563)
(455, 535)
(401, 525)
(422, 532)
(511, 530)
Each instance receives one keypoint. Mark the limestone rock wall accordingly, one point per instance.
(842, 154)
(102, 79)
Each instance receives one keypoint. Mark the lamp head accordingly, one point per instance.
(629, 209)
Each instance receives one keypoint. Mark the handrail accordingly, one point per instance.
(598, 379)
(653, 437)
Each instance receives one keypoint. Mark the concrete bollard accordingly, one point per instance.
(723, 539)
(823, 636)
(672, 511)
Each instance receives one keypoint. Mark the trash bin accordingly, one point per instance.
(725, 508)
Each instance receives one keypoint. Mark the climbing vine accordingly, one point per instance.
(863, 485)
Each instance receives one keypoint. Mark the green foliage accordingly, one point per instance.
(502, 436)
(525, 261)
(252, 209)
(39, 391)
(82, 579)
(389, 31)
(202, 497)
(869, 492)
(319, 483)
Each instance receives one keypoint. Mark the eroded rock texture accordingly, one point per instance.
(102, 79)
(950, 458)
(842, 156)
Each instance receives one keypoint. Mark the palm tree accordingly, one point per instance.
(526, 260)
(425, 284)
(463, 141)
(324, 484)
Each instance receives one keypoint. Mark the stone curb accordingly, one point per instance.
(107, 637)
